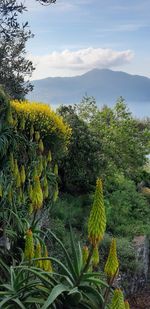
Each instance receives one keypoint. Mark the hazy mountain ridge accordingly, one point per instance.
(105, 85)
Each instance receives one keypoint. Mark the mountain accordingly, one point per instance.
(105, 85)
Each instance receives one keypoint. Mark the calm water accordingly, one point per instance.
(139, 110)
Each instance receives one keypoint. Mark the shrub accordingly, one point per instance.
(53, 131)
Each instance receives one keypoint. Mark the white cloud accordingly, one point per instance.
(71, 63)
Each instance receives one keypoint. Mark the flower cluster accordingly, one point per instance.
(35, 251)
(35, 117)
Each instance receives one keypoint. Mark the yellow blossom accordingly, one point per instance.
(16, 170)
(37, 195)
(56, 169)
(41, 146)
(37, 136)
(22, 174)
(29, 245)
(118, 300)
(127, 306)
(47, 266)
(12, 164)
(95, 256)
(38, 254)
(49, 157)
(18, 180)
(30, 191)
(45, 187)
(97, 219)
(40, 166)
(31, 130)
(22, 123)
(9, 117)
(56, 192)
(112, 264)
(85, 254)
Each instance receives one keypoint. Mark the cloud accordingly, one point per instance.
(71, 63)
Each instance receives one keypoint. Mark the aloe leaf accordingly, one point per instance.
(75, 254)
(69, 262)
(56, 291)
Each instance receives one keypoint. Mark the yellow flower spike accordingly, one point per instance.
(45, 183)
(30, 209)
(31, 131)
(18, 180)
(56, 169)
(1, 191)
(95, 257)
(38, 254)
(85, 254)
(112, 264)
(41, 146)
(127, 306)
(40, 166)
(37, 194)
(49, 157)
(16, 170)
(37, 136)
(30, 191)
(46, 265)
(97, 219)
(12, 163)
(22, 123)
(44, 162)
(10, 117)
(29, 245)
(22, 174)
(45, 187)
(56, 192)
(35, 172)
(118, 300)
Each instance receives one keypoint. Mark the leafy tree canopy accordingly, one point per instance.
(104, 142)
(15, 69)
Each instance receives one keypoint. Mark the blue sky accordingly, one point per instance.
(74, 36)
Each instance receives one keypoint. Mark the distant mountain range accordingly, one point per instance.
(105, 85)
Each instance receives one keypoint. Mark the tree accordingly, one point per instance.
(125, 140)
(83, 162)
(15, 69)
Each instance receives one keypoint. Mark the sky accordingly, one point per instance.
(72, 37)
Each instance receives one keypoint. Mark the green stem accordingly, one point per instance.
(85, 268)
(109, 288)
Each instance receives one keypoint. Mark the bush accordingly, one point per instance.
(53, 131)
(127, 210)
(72, 210)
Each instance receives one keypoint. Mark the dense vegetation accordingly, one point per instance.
(30, 278)
(56, 230)
(34, 221)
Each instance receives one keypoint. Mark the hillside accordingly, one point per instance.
(105, 85)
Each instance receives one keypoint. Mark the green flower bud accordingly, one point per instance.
(97, 219)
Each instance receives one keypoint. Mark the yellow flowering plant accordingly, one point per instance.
(40, 121)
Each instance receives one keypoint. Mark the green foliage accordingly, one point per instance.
(73, 210)
(103, 142)
(71, 287)
(125, 140)
(14, 67)
(127, 210)
(80, 167)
